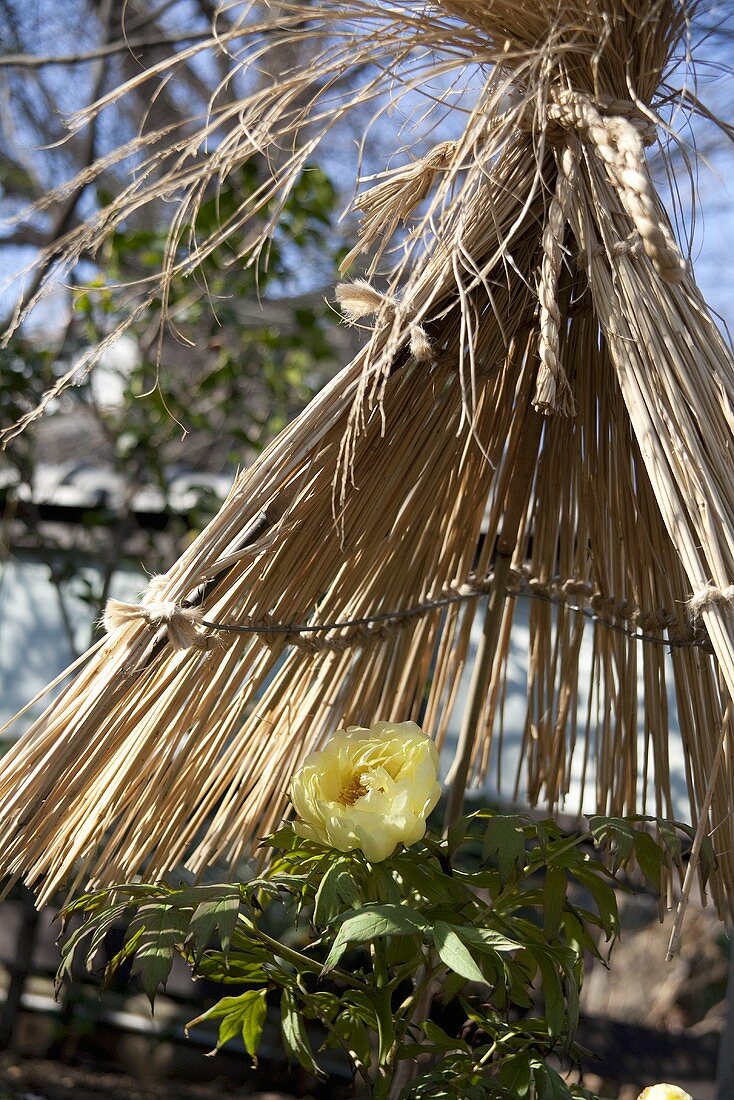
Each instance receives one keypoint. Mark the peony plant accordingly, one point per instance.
(444, 966)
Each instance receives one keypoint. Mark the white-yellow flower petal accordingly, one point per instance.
(664, 1092)
(368, 788)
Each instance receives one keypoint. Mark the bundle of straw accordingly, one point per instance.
(544, 405)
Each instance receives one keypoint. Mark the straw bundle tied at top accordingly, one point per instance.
(544, 396)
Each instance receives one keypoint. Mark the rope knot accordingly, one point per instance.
(708, 596)
(183, 624)
(618, 137)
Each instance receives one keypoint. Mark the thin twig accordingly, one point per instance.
(65, 214)
(35, 61)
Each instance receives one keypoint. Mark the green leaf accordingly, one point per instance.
(552, 994)
(554, 896)
(457, 833)
(618, 834)
(219, 913)
(126, 952)
(517, 1076)
(295, 1036)
(337, 889)
(591, 875)
(650, 858)
(549, 1084)
(370, 923)
(243, 1015)
(455, 954)
(286, 839)
(157, 929)
(671, 840)
(504, 843)
(488, 939)
(706, 855)
(233, 970)
(441, 1039)
(349, 1030)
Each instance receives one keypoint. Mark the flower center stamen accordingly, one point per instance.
(353, 790)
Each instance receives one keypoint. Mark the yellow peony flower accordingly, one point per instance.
(368, 788)
(664, 1092)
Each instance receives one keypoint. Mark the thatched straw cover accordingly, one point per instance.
(541, 366)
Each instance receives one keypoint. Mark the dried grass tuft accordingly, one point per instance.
(540, 273)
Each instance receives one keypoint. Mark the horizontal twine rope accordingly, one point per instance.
(187, 627)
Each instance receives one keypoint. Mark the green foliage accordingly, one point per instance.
(493, 921)
(220, 372)
(210, 366)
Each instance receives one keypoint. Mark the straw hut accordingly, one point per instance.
(542, 407)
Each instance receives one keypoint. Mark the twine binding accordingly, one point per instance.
(618, 140)
(187, 627)
(183, 624)
(710, 595)
(553, 392)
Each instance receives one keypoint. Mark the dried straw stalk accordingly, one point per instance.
(543, 395)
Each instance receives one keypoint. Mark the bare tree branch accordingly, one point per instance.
(34, 61)
(66, 212)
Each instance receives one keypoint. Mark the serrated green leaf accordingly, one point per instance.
(285, 839)
(504, 843)
(336, 890)
(191, 897)
(243, 1015)
(617, 834)
(157, 928)
(370, 923)
(219, 913)
(295, 1036)
(454, 953)
(234, 969)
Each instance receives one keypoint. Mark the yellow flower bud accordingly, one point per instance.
(368, 788)
(664, 1092)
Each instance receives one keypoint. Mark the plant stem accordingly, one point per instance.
(296, 958)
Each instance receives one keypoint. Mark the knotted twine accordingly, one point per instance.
(184, 624)
(709, 595)
(618, 139)
(187, 627)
